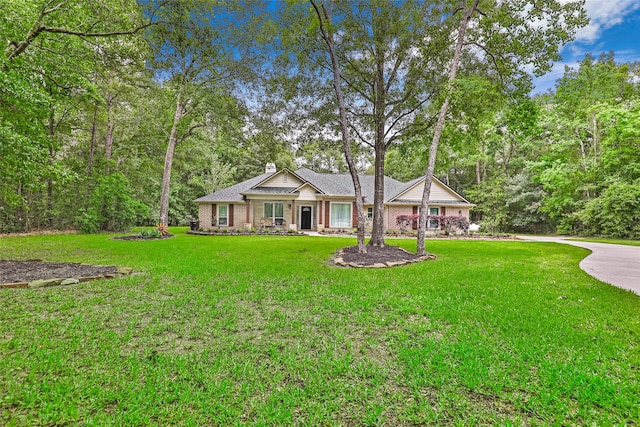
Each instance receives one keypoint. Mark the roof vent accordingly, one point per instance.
(270, 168)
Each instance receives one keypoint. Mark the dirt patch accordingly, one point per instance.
(26, 271)
(386, 256)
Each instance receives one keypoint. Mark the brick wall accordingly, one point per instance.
(391, 212)
(204, 215)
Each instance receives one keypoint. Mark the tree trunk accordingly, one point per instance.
(108, 144)
(51, 130)
(168, 160)
(327, 36)
(433, 151)
(92, 148)
(377, 234)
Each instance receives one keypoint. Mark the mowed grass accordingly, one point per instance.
(627, 242)
(262, 330)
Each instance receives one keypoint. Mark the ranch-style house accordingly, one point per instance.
(308, 201)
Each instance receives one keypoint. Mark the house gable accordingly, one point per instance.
(282, 179)
(307, 191)
(439, 192)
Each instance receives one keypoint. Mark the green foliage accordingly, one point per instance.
(615, 213)
(150, 234)
(111, 207)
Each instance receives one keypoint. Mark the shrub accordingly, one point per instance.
(407, 222)
(615, 213)
(150, 234)
(111, 207)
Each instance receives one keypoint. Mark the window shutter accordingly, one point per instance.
(414, 224)
(327, 207)
(230, 215)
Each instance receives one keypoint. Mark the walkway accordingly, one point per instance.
(618, 265)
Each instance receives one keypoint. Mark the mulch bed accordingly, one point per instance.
(26, 271)
(139, 237)
(386, 256)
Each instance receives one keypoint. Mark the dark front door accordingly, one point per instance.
(305, 217)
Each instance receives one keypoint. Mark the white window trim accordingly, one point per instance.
(218, 215)
(435, 220)
(331, 215)
(369, 216)
(273, 211)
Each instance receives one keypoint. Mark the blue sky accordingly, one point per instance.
(614, 26)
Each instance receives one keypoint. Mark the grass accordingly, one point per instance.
(605, 240)
(262, 331)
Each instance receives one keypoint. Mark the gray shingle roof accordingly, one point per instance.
(329, 184)
(232, 194)
(341, 184)
(270, 190)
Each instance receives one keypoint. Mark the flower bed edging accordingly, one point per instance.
(339, 261)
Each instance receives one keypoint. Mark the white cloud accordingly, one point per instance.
(604, 14)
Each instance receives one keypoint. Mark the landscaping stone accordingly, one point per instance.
(395, 257)
(45, 282)
(33, 274)
(14, 285)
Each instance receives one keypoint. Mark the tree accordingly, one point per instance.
(508, 35)
(50, 50)
(387, 53)
(196, 52)
(325, 24)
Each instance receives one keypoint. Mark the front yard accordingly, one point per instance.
(263, 330)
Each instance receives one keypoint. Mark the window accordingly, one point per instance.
(434, 222)
(341, 215)
(275, 211)
(223, 214)
(369, 213)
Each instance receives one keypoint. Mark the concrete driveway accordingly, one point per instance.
(618, 265)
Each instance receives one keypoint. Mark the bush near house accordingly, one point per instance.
(449, 222)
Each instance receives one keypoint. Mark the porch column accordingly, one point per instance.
(293, 212)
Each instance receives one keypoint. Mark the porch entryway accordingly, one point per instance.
(306, 216)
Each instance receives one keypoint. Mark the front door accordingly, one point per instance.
(305, 217)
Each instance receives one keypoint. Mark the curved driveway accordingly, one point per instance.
(618, 265)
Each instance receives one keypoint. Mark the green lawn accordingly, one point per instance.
(613, 241)
(262, 330)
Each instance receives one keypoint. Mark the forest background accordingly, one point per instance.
(92, 94)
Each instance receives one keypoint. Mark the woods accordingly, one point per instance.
(122, 113)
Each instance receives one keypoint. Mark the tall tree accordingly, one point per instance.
(325, 25)
(387, 53)
(50, 50)
(509, 35)
(197, 52)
